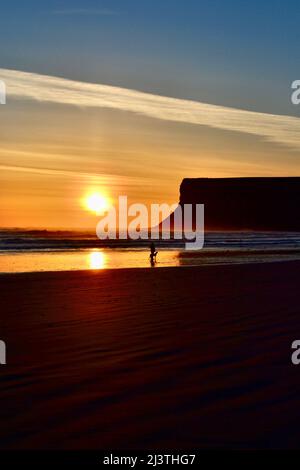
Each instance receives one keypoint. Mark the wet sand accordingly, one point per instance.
(151, 358)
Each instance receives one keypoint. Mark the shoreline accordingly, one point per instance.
(143, 268)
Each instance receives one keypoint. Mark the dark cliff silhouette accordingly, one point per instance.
(245, 203)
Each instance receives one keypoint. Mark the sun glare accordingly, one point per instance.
(96, 202)
(96, 260)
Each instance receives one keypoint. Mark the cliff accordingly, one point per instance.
(245, 203)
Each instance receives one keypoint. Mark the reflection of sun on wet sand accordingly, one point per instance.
(151, 357)
(97, 259)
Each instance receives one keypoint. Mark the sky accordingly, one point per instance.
(129, 97)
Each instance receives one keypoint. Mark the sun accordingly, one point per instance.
(96, 202)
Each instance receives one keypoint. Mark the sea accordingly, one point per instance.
(43, 250)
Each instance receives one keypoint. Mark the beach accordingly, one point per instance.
(178, 357)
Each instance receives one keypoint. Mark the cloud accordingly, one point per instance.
(279, 129)
(99, 178)
(84, 11)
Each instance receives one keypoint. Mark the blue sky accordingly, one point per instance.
(231, 52)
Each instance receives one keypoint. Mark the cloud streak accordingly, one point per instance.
(99, 177)
(279, 129)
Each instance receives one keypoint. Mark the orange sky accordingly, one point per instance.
(52, 155)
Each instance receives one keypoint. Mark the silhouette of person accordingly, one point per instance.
(153, 254)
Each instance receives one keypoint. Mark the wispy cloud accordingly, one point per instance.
(85, 11)
(279, 129)
(99, 178)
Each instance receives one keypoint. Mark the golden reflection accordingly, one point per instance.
(96, 260)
